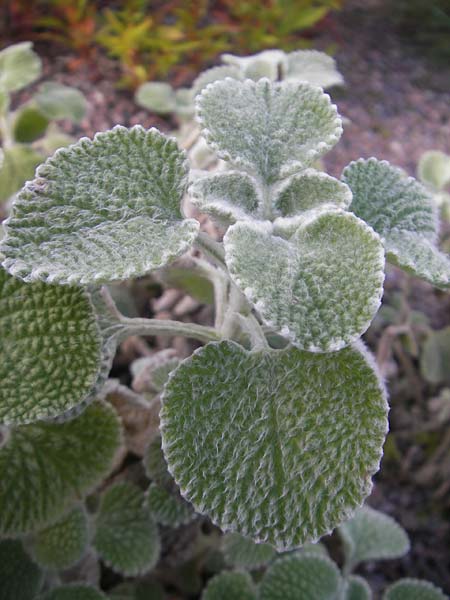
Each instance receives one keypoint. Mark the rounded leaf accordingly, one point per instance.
(215, 74)
(50, 348)
(311, 189)
(356, 588)
(313, 66)
(434, 169)
(73, 591)
(413, 589)
(230, 585)
(58, 101)
(29, 125)
(240, 551)
(20, 577)
(101, 210)
(287, 125)
(156, 96)
(168, 508)
(435, 357)
(126, 537)
(321, 288)
(19, 66)
(45, 467)
(256, 444)
(18, 165)
(300, 576)
(155, 464)
(263, 64)
(62, 544)
(372, 535)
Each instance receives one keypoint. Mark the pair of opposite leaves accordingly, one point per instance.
(109, 209)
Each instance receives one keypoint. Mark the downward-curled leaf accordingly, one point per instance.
(45, 467)
(19, 66)
(300, 576)
(126, 537)
(401, 210)
(101, 210)
(372, 535)
(321, 288)
(240, 551)
(256, 444)
(20, 577)
(287, 125)
(61, 545)
(230, 585)
(414, 589)
(50, 348)
(73, 591)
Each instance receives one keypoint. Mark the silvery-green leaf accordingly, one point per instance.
(418, 256)
(227, 197)
(435, 357)
(19, 164)
(29, 124)
(45, 467)
(300, 576)
(434, 169)
(268, 63)
(157, 367)
(126, 537)
(256, 444)
(310, 189)
(215, 74)
(184, 103)
(155, 464)
(168, 508)
(101, 210)
(413, 589)
(356, 588)
(287, 125)
(315, 67)
(321, 288)
(313, 548)
(54, 139)
(156, 96)
(57, 101)
(73, 591)
(372, 535)
(50, 348)
(20, 577)
(61, 545)
(401, 210)
(19, 66)
(242, 552)
(230, 585)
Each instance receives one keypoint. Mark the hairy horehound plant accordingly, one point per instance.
(29, 133)
(275, 427)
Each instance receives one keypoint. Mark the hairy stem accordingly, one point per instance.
(211, 248)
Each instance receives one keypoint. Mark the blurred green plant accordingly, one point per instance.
(28, 134)
(434, 171)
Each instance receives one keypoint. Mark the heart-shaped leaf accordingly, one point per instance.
(372, 535)
(20, 577)
(227, 197)
(256, 444)
(401, 210)
(228, 585)
(101, 210)
(73, 591)
(287, 125)
(242, 552)
(50, 348)
(310, 189)
(321, 288)
(414, 589)
(300, 576)
(126, 538)
(19, 66)
(45, 467)
(58, 101)
(434, 169)
(61, 545)
(315, 67)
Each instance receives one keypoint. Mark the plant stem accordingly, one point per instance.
(211, 248)
(170, 328)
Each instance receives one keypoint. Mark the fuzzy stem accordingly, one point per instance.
(211, 248)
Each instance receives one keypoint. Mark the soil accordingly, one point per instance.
(397, 103)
